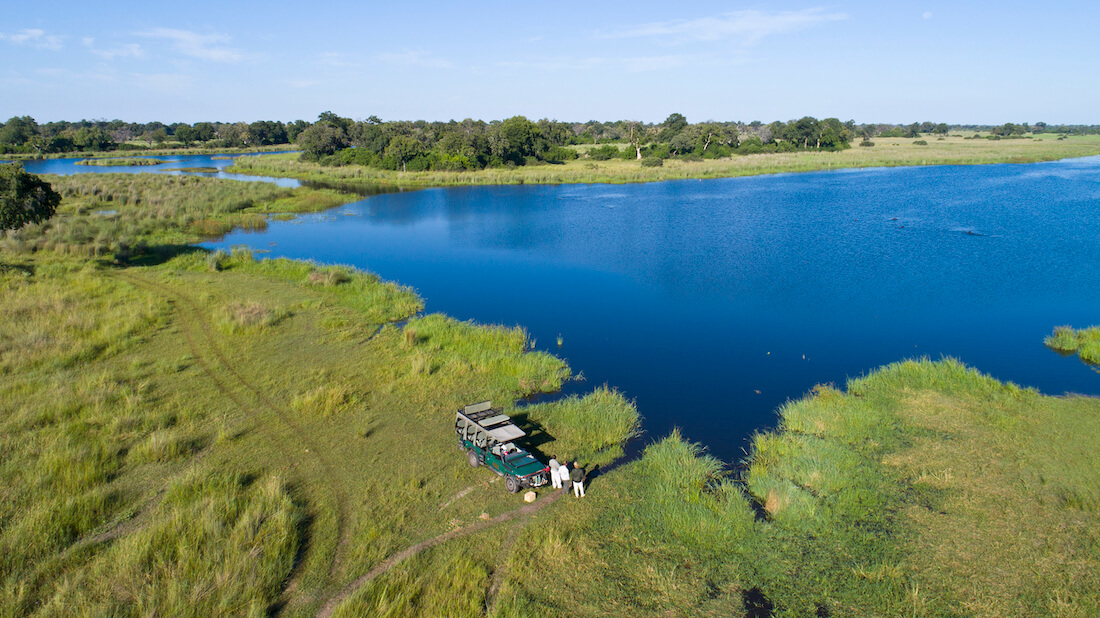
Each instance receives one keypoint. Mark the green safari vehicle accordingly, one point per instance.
(486, 435)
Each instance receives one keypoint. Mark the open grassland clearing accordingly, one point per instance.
(157, 460)
(887, 152)
(121, 214)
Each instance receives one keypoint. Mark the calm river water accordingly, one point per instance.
(713, 302)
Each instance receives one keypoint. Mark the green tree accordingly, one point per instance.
(321, 140)
(637, 135)
(18, 131)
(804, 132)
(90, 139)
(404, 149)
(204, 131)
(24, 198)
(672, 127)
(522, 137)
(186, 134)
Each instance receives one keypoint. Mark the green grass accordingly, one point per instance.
(924, 488)
(120, 215)
(207, 433)
(156, 459)
(594, 426)
(120, 162)
(887, 152)
(1085, 343)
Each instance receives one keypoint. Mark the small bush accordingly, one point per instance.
(238, 317)
(325, 400)
(211, 228)
(329, 277)
(652, 162)
(867, 143)
(603, 153)
(920, 142)
(217, 260)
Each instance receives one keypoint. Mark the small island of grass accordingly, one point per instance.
(120, 162)
(1085, 342)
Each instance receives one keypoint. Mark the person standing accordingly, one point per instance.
(555, 478)
(577, 475)
(563, 476)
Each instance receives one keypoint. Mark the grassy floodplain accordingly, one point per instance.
(887, 152)
(192, 432)
(218, 435)
(120, 214)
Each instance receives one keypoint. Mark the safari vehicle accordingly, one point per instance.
(486, 434)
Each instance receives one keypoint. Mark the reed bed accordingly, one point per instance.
(591, 428)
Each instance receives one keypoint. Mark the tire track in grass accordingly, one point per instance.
(194, 324)
(502, 565)
(387, 564)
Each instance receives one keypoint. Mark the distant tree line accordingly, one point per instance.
(22, 134)
(476, 144)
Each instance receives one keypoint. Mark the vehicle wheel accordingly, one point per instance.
(472, 456)
(511, 484)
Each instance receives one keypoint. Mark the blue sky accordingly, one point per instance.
(898, 61)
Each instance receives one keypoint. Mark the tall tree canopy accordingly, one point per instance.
(24, 198)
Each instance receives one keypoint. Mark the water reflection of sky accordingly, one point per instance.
(693, 296)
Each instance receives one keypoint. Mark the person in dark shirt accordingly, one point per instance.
(577, 475)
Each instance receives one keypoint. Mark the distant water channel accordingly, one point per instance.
(714, 302)
(172, 164)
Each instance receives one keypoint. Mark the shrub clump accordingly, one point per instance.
(652, 162)
(866, 143)
(920, 142)
(239, 316)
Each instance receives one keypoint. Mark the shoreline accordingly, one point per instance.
(894, 152)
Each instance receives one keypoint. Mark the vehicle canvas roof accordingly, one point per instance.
(506, 433)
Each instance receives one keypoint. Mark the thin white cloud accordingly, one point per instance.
(415, 58)
(748, 27)
(34, 37)
(128, 50)
(201, 46)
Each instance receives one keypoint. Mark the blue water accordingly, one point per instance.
(171, 165)
(713, 302)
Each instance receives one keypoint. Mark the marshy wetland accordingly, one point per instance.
(204, 432)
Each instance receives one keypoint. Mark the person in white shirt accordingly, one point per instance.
(555, 479)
